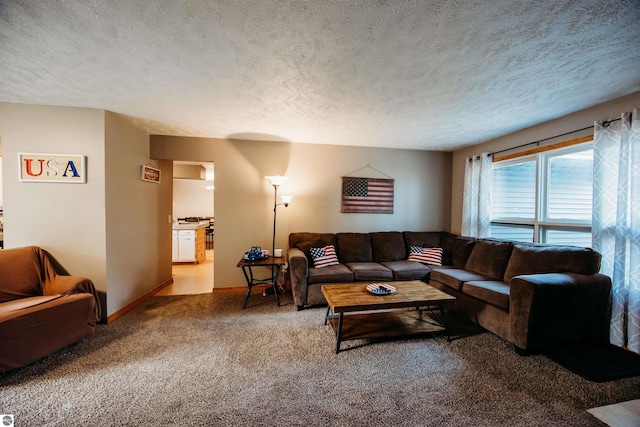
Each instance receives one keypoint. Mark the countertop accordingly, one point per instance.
(190, 225)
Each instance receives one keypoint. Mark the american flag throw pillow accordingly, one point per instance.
(431, 256)
(324, 257)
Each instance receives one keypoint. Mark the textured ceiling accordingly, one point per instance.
(436, 75)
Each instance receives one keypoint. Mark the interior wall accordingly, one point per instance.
(244, 199)
(578, 120)
(68, 220)
(115, 228)
(138, 216)
(191, 198)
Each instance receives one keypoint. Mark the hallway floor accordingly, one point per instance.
(191, 278)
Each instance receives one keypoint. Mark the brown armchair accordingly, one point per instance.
(41, 309)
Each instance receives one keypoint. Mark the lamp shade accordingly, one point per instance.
(286, 199)
(276, 180)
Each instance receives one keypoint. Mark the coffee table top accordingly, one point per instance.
(348, 297)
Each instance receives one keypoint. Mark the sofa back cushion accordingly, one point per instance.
(387, 246)
(21, 274)
(461, 248)
(540, 258)
(306, 241)
(489, 257)
(426, 239)
(354, 247)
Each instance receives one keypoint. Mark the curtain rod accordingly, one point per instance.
(606, 123)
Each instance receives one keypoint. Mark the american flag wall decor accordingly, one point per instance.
(367, 195)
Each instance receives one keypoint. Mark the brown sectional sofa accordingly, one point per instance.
(42, 308)
(532, 295)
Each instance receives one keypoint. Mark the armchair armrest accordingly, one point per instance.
(298, 274)
(558, 308)
(67, 285)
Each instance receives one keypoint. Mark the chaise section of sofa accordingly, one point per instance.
(41, 310)
(534, 296)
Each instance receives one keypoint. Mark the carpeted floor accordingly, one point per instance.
(199, 360)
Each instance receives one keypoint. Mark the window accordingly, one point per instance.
(544, 197)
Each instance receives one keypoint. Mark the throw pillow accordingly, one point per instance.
(431, 256)
(324, 257)
(306, 247)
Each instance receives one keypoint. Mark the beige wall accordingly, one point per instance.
(191, 198)
(244, 199)
(67, 220)
(137, 215)
(559, 126)
(114, 228)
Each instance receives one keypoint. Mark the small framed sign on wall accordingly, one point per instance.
(67, 168)
(150, 174)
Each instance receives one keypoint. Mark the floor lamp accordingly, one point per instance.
(277, 181)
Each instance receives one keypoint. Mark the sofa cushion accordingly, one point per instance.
(489, 257)
(333, 274)
(492, 292)
(324, 257)
(431, 256)
(454, 277)
(21, 274)
(427, 239)
(407, 270)
(532, 258)
(461, 248)
(354, 247)
(446, 243)
(306, 241)
(387, 246)
(370, 271)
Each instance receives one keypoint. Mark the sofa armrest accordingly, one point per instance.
(298, 274)
(67, 285)
(558, 308)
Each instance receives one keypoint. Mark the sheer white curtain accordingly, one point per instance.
(616, 221)
(476, 202)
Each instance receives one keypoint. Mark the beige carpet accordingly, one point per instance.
(199, 360)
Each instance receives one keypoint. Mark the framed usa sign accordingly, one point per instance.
(67, 168)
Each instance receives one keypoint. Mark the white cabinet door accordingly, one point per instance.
(187, 245)
(175, 250)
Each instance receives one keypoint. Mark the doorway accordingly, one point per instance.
(193, 209)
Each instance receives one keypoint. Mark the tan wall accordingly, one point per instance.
(137, 213)
(559, 126)
(114, 228)
(67, 220)
(244, 199)
(191, 198)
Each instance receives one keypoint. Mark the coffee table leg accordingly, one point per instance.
(444, 324)
(339, 332)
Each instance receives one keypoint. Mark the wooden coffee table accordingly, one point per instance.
(378, 315)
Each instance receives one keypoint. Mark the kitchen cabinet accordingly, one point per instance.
(188, 242)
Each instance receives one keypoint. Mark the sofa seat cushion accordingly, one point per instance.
(23, 303)
(332, 274)
(370, 271)
(407, 270)
(455, 277)
(492, 292)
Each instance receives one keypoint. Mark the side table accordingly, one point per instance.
(247, 268)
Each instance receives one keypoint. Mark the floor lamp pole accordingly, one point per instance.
(275, 207)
